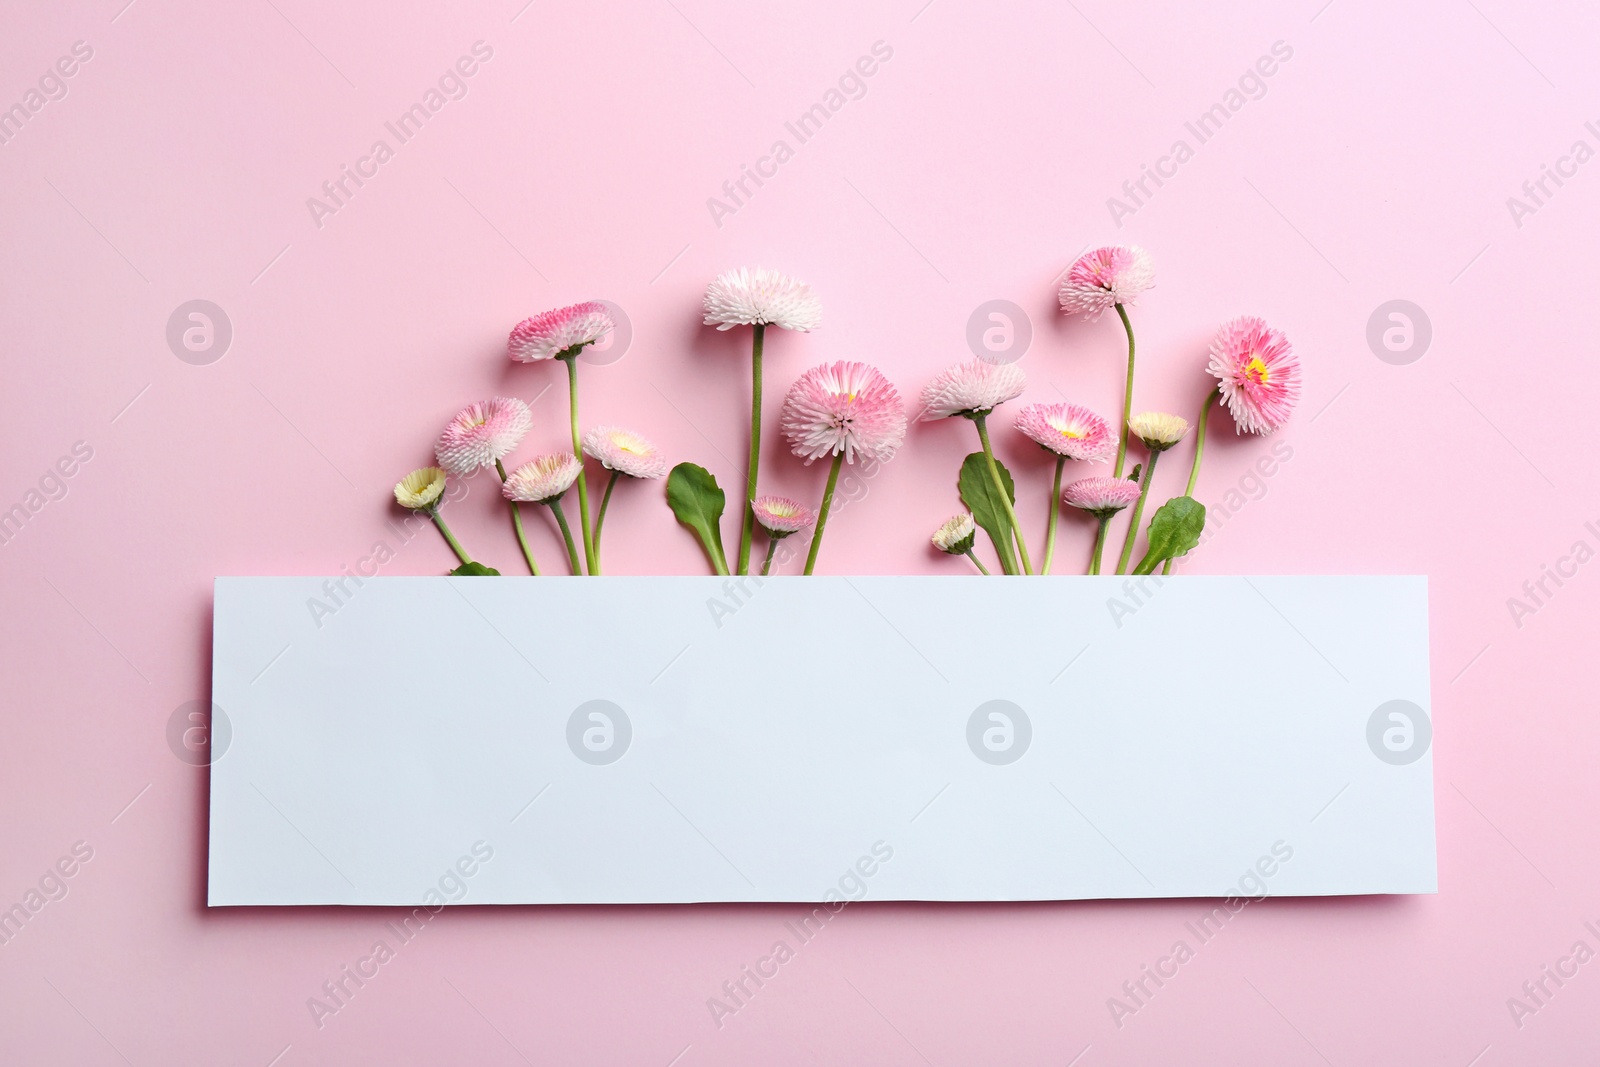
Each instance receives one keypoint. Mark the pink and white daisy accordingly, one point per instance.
(1101, 497)
(780, 516)
(1104, 278)
(542, 480)
(971, 388)
(1069, 430)
(843, 408)
(1257, 374)
(560, 333)
(956, 535)
(482, 433)
(624, 451)
(750, 297)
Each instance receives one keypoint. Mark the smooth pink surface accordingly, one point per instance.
(976, 166)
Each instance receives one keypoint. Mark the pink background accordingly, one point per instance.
(978, 163)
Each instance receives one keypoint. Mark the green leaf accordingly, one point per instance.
(978, 494)
(474, 570)
(697, 501)
(1174, 530)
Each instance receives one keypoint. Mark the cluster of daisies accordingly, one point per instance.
(1257, 378)
(849, 413)
(484, 434)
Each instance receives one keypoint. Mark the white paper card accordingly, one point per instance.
(674, 739)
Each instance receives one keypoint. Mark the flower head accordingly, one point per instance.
(780, 516)
(559, 333)
(956, 535)
(542, 480)
(420, 488)
(843, 407)
(1158, 430)
(1101, 497)
(971, 388)
(746, 297)
(1069, 430)
(1257, 373)
(1106, 277)
(482, 433)
(623, 450)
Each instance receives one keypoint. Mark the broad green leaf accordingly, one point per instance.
(978, 494)
(697, 501)
(474, 570)
(1174, 530)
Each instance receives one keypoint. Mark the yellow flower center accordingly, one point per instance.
(1073, 434)
(1257, 371)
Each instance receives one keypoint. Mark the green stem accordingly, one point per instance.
(976, 562)
(577, 450)
(748, 531)
(981, 421)
(566, 533)
(1099, 545)
(822, 513)
(600, 519)
(772, 548)
(1138, 510)
(455, 546)
(516, 524)
(1199, 451)
(1127, 397)
(1055, 513)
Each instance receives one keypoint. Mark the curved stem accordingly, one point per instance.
(516, 524)
(1138, 510)
(1199, 451)
(1099, 545)
(455, 546)
(1127, 397)
(1055, 513)
(976, 562)
(577, 450)
(772, 548)
(747, 531)
(822, 512)
(981, 421)
(600, 518)
(566, 533)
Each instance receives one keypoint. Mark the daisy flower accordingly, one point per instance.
(1257, 374)
(761, 297)
(1068, 430)
(843, 410)
(1101, 497)
(956, 536)
(1158, 430)
(625, 452)
(780, 516)
(420, 488)
(543, 481)
(559, 334)
(482, 434)
(1104, 278)
(972, 388)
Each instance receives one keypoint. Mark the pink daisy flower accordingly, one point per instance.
(1069, 430)
(625, 451)
(748, 297)
(1104, 278)
(843, 407)
(560, 333)
(1101, 497)
(542, 480)
(780, 516)
(1257, 373)
(482, 433)
(971, 388)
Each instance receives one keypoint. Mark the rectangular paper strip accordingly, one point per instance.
(675, 739)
